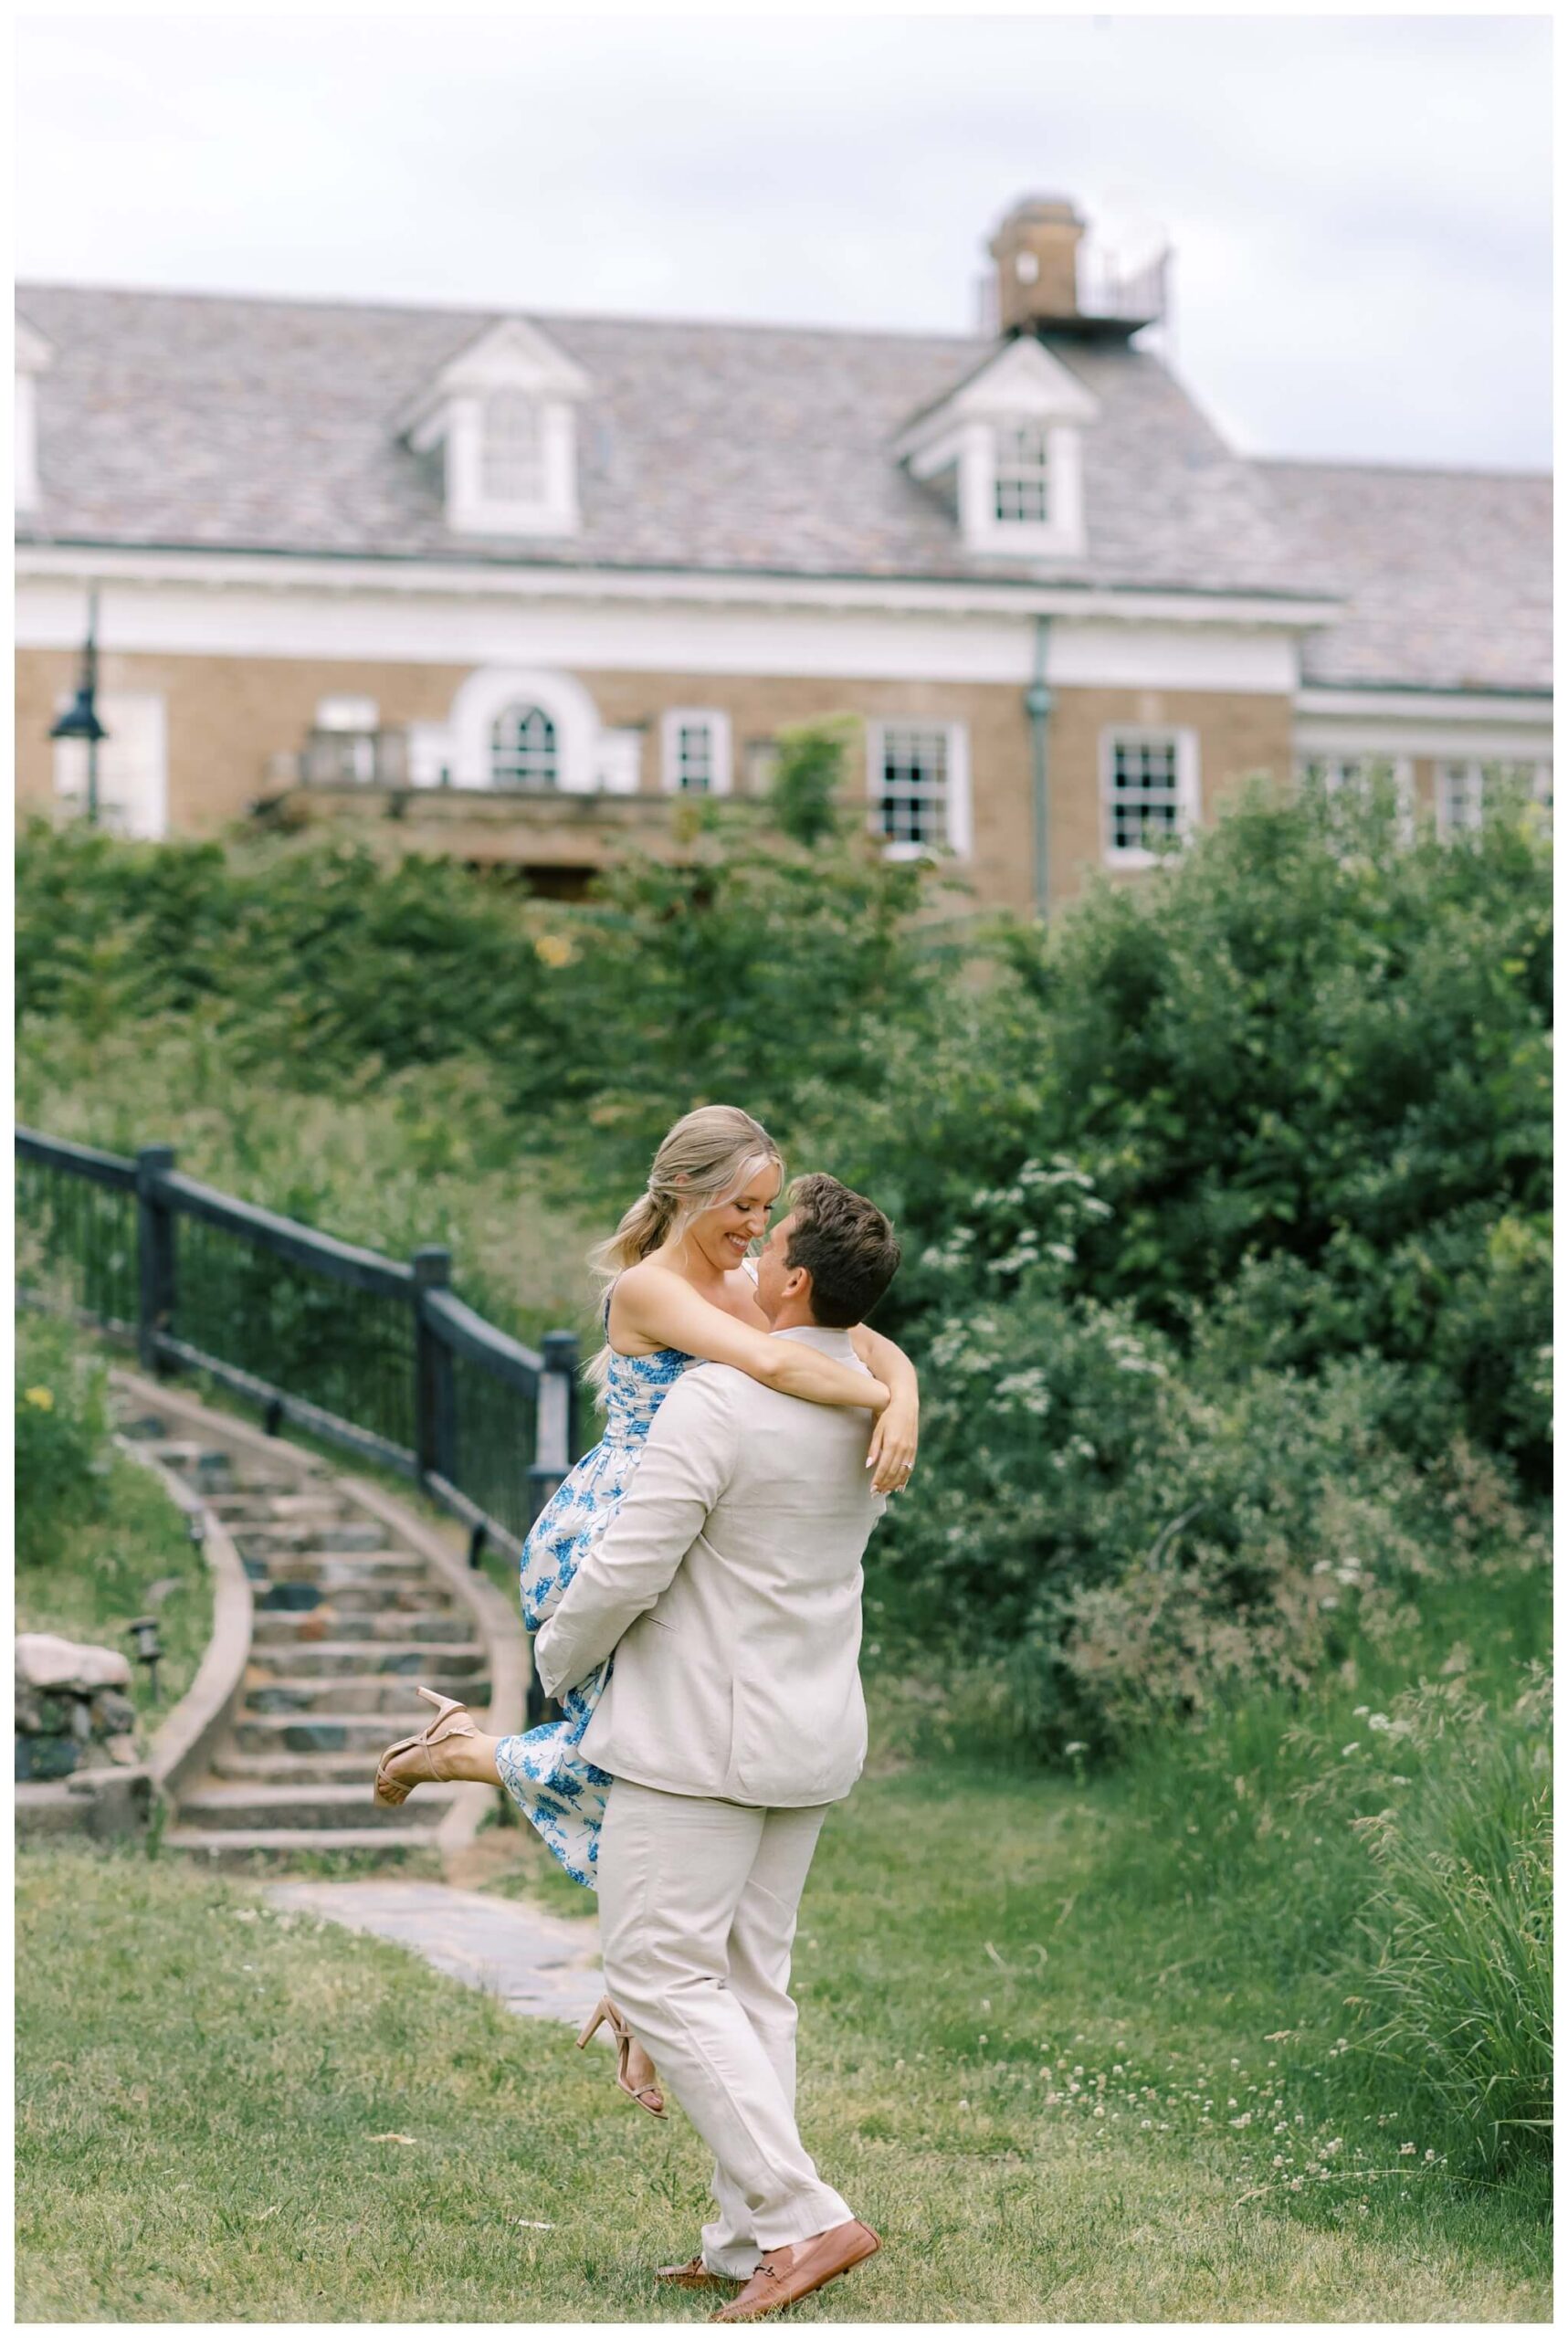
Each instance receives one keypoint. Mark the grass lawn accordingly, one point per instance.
(232, 2115)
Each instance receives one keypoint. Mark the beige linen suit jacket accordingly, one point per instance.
(728, 1585)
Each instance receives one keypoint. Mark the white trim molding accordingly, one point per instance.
(675, 725)
(957, 810)
(570, 632)
(1416, 705)
(392, 578)
(1179, 745)
(481, 702)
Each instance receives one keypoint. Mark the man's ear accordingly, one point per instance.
(797, 1283)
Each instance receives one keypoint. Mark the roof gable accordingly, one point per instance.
(510, 356)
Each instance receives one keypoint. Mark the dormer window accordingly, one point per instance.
(1022, 475)
(511, 460)
(503, 414)
(1005, 451)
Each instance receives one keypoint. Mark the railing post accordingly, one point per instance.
(435, 1409)
(556, 1430)
(155, 1254)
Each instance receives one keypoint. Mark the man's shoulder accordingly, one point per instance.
(704, 1391)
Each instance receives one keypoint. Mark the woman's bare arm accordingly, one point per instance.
(652, 1304)
(895, 1440)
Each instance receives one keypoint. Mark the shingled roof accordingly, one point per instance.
(236, 424)
(1447, 573)
(174, 419)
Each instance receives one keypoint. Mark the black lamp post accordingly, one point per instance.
(80, 719)
(149, 1648)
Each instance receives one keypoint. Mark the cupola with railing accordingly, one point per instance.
(1050, 277)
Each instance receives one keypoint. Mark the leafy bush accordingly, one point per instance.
(62, 1421)
(786, 978)
(1308, 1058)
(807, 783)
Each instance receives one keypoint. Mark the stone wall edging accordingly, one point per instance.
(203, 1715)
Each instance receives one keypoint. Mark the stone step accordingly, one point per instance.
(250, 1803)
(303, 1770)
(396, 1601)
(237, 1846)
(305, 1535)
(331, 1567)
(308, 1620)
(141, 1426)
(325, 1733)
(189, 1453)
(354, 1659)
(390, 1695)
(285, 1505)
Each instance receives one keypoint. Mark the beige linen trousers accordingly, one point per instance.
(728, 1586)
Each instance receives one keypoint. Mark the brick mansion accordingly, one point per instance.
(521, 582)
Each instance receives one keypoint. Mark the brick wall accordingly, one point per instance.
(228, 716)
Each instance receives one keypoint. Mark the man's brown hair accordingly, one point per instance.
(846, 1245)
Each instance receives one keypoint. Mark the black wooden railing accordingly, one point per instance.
(371, 1354)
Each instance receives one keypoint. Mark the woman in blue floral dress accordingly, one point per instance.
(681, 1293)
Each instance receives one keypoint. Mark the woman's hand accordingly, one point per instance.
(894, 1439)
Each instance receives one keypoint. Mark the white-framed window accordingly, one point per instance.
(133, 765)
(1353, 775)
(761, 762)
(1465, 789)
(1021, 485)
(695, 751)
(511, 449)
(486, 740)
(523, 749)
(919, 778)
(1149, 782)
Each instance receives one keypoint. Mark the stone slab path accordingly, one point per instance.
(540, 1966)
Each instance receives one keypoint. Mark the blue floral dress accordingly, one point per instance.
(556, 1788)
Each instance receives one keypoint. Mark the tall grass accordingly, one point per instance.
(1460, 1923)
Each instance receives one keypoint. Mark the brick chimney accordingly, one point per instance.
(1035, 252)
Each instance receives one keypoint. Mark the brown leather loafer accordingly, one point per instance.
(801, 2266)
(694, 2275)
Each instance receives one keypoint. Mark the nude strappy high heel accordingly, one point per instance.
(607, 2011)
(453, 1719)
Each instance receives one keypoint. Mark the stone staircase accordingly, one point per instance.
(346, 1622)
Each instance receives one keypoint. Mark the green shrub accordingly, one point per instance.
(61, 1407)
(1308, 1058)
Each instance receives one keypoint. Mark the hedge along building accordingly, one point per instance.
(523, 582)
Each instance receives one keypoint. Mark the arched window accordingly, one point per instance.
(523, 749)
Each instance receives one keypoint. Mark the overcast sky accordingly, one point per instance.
(1359, 207)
